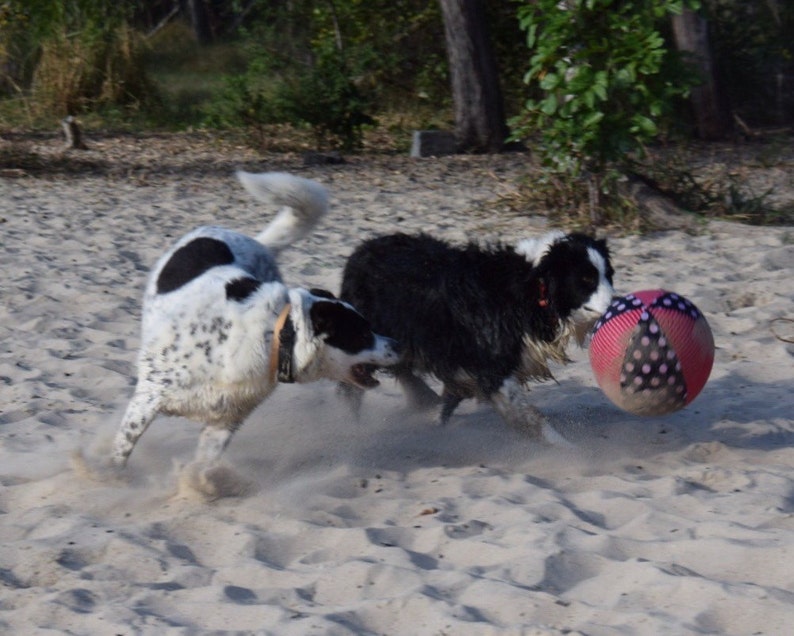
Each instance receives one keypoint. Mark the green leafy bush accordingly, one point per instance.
(73, 56)
(318, 91)
(247, 100)
(604, 82)
(325, 97)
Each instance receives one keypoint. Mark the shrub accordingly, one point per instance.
(73, 55)
(325, 97)
(321, 95)
(79, 72)
(606, 83)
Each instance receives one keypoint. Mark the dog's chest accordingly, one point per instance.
(218, 342)
(215, 371)
(536, 355)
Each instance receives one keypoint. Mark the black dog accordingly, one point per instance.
(483, 320)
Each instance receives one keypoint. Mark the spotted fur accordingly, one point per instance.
(214, 313)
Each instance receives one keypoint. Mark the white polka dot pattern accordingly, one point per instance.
(652, 352)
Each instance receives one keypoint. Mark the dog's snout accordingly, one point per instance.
(394, 346)
(391, 347)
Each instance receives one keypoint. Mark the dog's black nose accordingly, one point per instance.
(396, 347)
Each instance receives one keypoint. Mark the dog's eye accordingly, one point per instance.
(590, 280)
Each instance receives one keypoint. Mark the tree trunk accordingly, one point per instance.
(200, 20)
(479, 112)
(691, 35)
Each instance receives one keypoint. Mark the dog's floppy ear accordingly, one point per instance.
(325, 316)
(341, 326)
(322, 293)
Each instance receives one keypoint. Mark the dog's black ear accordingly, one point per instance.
(322, 293)
(325, 316)
(341, 326)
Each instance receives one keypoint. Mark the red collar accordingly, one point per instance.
(543, 301)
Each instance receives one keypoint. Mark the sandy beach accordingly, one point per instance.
(682, 524)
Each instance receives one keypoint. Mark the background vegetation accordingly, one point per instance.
(589, 84)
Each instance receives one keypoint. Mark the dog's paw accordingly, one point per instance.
(553, 438)
(540, 427)
(97, 469)
(210, 482)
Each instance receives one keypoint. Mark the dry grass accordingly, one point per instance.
(78, 73)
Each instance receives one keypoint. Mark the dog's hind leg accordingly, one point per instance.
(143, 407)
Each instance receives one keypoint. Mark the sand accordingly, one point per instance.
(682, 524)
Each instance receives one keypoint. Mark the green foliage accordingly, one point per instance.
(44, 18)
(325, 96)
(603, 84)
(73, 55)
(319, 77)
(321, 95)
(605, 76)
(241, 104)
(394, 48)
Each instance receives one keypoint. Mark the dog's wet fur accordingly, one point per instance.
(484, 320)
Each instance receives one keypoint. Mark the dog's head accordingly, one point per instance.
(573, 274)
(330, 340)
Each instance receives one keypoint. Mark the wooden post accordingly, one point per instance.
(74, 136)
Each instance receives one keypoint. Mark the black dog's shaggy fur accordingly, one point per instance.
(476, 317)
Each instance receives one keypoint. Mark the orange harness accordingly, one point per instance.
(282, 347)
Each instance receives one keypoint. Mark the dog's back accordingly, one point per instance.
(235, 256)
(452, 308)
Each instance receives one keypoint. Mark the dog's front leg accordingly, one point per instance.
(419, 395)
(450, 401)
(143, 407)
(512, 402)
(353, 397)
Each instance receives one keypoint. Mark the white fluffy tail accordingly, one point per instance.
(303, 203)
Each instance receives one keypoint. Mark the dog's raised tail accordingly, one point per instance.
(303, 203)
